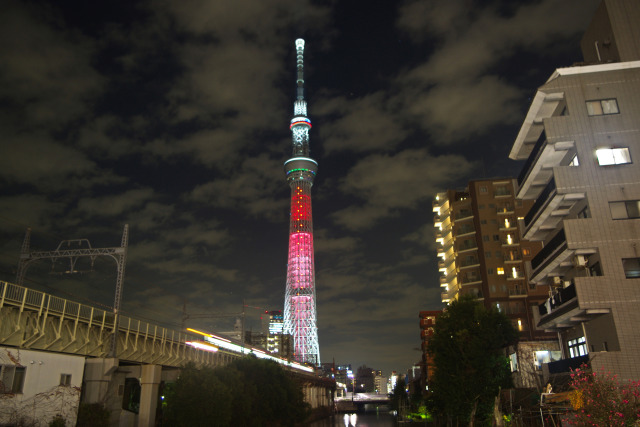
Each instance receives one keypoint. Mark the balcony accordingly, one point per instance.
(539, 164)
(563, 296)
(469, 263)
(465, 230)
(510, 242)
(462, 249)
(512, 258)
(567, 365)
(518, 291)
(548, 210)
(550, 256)
(505, 210)
(469, 281)
(463, 215)
(562, 310)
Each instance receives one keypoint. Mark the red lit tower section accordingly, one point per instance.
(300, 320)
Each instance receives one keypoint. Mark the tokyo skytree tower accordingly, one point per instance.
(300, 296)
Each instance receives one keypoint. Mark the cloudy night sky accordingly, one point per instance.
(172, 116)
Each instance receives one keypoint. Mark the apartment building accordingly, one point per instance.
(482, 253)
(579, 140)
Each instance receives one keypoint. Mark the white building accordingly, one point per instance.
(36, 386)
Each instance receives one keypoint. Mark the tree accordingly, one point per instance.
(470, 366)
(248, 392)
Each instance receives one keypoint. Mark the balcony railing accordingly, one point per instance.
(517, 290)
(469, 262)
(464, 248)
(567, 365)
(564, 295)
(465, 213)
(465, 230)
(526, 169)
(541, 201)
(558, 240)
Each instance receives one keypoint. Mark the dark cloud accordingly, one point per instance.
(172, 117)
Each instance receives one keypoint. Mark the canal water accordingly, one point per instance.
(366, 419)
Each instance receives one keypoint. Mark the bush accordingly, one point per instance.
(58, 421)
(599, 400)
(93, 415)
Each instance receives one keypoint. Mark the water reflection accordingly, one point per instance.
(382, 419)
(350, 420)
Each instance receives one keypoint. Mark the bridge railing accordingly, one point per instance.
(27, 299)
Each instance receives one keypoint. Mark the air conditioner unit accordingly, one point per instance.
(580, 261)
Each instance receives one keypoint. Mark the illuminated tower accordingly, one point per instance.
(300, 295)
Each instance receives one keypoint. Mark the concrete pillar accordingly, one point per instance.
(150, 384)
(98, 375)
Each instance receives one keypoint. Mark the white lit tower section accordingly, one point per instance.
(300, 296)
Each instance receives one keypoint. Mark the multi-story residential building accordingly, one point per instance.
(427, 325)
(579, 140)
(481, 253)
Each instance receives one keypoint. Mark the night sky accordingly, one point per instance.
(172, 116)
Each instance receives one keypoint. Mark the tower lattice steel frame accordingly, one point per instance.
(300, 319)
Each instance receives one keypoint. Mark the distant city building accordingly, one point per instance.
(579, 140)
(380, 382)
(274, 337)
(365, 379)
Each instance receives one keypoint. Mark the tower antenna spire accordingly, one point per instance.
(300, 67)
(300, 320)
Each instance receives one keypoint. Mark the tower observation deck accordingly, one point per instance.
(300, 320)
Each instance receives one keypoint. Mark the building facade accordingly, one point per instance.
(427, 325)
(579, 141)
(481, 253)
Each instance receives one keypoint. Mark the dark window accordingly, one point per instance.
(496, 237)
(625, 210)
(584, 213)
(485, 238)
(600, 107)
(11, 378)
(631, 268)
(65, 379)
(595, 269)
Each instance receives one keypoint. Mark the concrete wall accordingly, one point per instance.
(42, 396)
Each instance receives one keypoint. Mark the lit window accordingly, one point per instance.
(602, 107)
(526, 251)
(500, 270)
(613, 156)
(574, 161)
(513, 362)
(625, 210)
(631, 268)
(577, 347)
